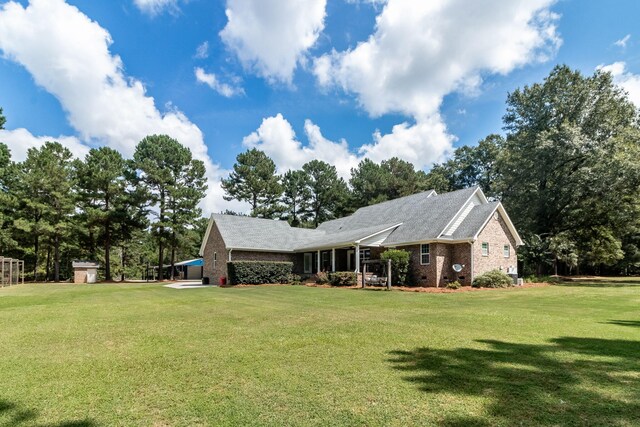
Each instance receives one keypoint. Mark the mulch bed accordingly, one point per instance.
(430, 290)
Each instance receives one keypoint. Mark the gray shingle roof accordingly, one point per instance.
(261, 234)
(425, 219)
(344, 236)
(474, 220)
(422, 217)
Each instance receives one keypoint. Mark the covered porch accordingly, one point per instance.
(347, 258)
(344, 250)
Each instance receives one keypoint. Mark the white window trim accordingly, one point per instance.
(482, 248)
(363, 254)
(508, 251)
(425, 253)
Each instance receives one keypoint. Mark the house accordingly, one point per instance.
(460, 228)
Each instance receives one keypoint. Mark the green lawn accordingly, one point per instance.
(98, 355)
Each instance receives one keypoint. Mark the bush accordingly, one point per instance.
(259, 272)
(343, 278)
(399, 265)
(493, 279)
(542, 279)
(295, 280)
(453, 285)
(322, 278)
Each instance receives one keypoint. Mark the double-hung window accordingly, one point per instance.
(425, 257)
(506, 251)
(485, 248)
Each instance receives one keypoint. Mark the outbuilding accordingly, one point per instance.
(85, 271)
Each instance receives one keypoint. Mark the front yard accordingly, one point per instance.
(77, 355)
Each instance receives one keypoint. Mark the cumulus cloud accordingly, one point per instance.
(21, 140)
(271, 37)
(422, 51)
(212, 81)
(425, 50)
(277, 139)
(155, 7)
(68, 55)
(625, 79)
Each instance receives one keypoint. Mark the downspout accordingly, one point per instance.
(472, 256)
(230, 254)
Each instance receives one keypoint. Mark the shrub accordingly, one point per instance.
(399, 265)
(453, 285)
(343, 278)
(542, 279)
(493, 279)
(295, 280)
(259, 272)
(322, 278)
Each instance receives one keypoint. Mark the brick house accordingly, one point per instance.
(459, 228)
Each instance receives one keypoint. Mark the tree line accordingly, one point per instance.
(125, 213)
(567, 170)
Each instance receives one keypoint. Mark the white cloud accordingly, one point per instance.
(625, 79)
(21, 140)
(277, 139)
(271, 37)
(212, 81)
(68, 55)
(202, 51)
(623, 41)
(422, 51)
(155, 7)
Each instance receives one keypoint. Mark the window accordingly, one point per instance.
(326, 265)
(485, 248)
(365, 254)
(215, 259)
(425, 258)
(506, 251)
(307, 262)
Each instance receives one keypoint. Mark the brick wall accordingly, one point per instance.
(262, 256)
(215, 244)
(439, 270)
(497, 234)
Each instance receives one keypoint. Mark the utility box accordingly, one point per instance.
(85, 271)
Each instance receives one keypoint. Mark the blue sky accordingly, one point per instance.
(336, 80)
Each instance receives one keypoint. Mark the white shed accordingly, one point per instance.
(85, 271)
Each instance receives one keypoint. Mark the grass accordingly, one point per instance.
(98, 355)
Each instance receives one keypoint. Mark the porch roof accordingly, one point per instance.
(346, 237)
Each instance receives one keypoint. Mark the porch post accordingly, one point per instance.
(318, 265)
(358, 258)
(333, 260)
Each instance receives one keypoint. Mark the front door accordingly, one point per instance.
(351, 260)
(308, 263)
